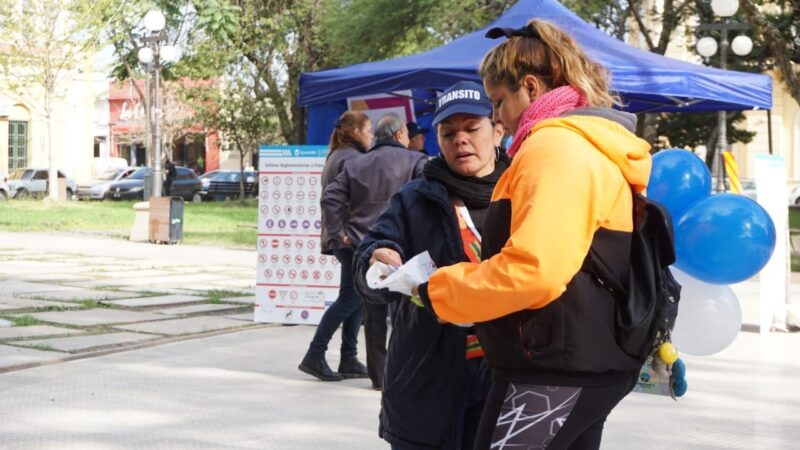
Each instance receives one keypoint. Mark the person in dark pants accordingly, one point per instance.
(547, 326)
(351, 136)
(171, 172)
(354, 200)
(436, 378)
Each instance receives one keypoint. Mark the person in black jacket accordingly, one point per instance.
(350, 138)
(171, 173)
(353, 201)
(436, 378)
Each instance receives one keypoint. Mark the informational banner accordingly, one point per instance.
(294, 282)
(773, 278)
(379, 105)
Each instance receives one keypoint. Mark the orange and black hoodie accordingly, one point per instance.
(539, 317)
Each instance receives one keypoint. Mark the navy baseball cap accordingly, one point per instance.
(414, 129)
(465, 97)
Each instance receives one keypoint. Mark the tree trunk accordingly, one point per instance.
(778, 47)
(52, 178)
(647, 128)
(711, 148)
(241, 166)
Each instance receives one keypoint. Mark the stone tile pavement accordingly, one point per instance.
(241, 390)
(56, 286)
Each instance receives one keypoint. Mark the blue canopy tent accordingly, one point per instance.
(645, 81)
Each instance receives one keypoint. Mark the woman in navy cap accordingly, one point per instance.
(436, 377)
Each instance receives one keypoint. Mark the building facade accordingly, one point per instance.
(24, 135)
(187, 145)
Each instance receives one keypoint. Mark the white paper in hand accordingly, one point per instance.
(413, 273)
(377, 273)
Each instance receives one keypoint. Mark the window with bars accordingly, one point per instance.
(17, 144)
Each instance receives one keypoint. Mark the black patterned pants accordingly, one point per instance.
(533, 417)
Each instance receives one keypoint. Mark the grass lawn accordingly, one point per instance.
(221, 224)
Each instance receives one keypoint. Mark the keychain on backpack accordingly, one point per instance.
(667, 352)
(678, 378)
(674, 367)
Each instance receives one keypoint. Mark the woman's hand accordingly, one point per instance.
(386, 256)
(415, 293)
(346, 240)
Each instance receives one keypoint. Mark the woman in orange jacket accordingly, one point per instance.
(546, 326)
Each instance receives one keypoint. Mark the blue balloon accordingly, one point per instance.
(724, 239)
(678, 180)
(678, 370)
(679, 387)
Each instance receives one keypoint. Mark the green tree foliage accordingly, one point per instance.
(238, 115)
(370, 30)
(776, 26)
(276, 42)
(641, 21)
(264, 45)
(609, 16)
(199, 28)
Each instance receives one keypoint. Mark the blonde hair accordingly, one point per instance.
(554, 58)
(344, 132)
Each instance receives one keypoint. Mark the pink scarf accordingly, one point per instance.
(552, 104)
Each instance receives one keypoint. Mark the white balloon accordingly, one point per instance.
(709, 316)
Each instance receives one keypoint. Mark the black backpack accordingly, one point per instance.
(646, 307)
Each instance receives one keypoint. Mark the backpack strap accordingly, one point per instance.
(599, 270)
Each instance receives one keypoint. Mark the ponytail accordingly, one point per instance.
(344, 130)
(541, 49)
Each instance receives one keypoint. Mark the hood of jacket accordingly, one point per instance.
(611, 132)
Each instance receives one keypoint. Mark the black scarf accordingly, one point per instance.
(476, 193)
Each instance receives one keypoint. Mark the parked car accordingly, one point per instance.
(185, 185)
(224, 184)
(794, 198)
(4, 195)
(748, 188)
(98, 189)
(33, 183)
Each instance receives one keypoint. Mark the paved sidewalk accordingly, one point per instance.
(66, 296)
(241, 389)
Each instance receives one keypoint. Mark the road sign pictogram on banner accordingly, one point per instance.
(289, 260)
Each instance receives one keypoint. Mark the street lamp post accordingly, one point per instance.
(707, 47)
(152, 54)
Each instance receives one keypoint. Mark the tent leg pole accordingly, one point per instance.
(769, 129)
(303, 125)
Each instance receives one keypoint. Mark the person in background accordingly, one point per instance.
(351, 136)
(547, 326)
(416, 136)
(353, 201)
(436, 377)
(171, 173)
